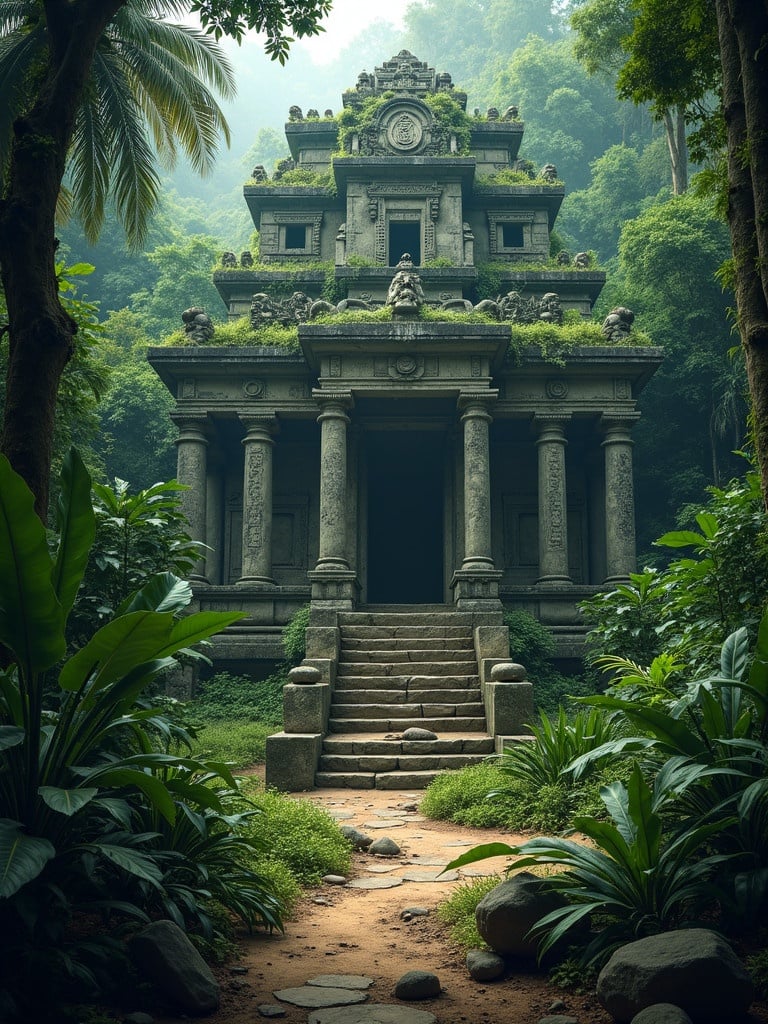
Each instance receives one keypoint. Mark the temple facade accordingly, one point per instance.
(413, 448)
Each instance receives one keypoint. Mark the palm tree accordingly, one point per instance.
(148, 93)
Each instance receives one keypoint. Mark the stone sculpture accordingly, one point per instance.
(228, 259)
(287, 312)
(582, 260)
(550, 310)
(259, 173)
(548, 172)
(617, 326)
(246, 258)
(511, 113)
(405, 292)
(563, 258)
(295, 114)
(198, 326)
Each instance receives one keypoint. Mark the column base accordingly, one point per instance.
(198, 579)
(258, 581)
(334, 588)
(476, 589)
(554, 581)
(616, 579)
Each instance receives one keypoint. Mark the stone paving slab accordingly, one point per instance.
(389, 823)
(373, 1013)
(374, 883)
(430, 876)
(353, 981)
(428, 862)
(313, 997)
(381, 869)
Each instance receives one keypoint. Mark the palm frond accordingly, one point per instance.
(89, 164)
(16, 13)
(18, 53)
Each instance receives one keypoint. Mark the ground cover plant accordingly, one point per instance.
(458, 911)
(99, 817)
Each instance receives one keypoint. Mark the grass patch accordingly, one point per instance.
(458, 911)
(239, 743)
(299, 834)
(224, 697)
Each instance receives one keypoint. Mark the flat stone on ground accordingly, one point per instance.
(389, 823)
(374, 883)
(271, 1010)
(373, 1013)
(430, 876)
(314, 997)
(427, 862)
(355, 981)
(334, 879)
(381, 869)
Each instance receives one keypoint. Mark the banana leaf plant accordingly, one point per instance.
(66, 773)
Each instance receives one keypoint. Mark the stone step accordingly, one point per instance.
(444, 724)
(409, 710)
(406, 643)
(402, 657)
(344, 683)
(409, 695)
(417, 668)
(366, 744)
(374, 780)
(430, 618)
(396, 762)
(395, 632)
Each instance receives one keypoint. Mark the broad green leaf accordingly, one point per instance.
(758, 674)
(163, 592)
(117, 648)
(31, 618)
(66, 801)
(482, 852)
(76, 525)
(734, 654)
(11, 736)
(647, 824)
(22, 857)
(196, 627)
(152, 787)
(682, 539)
(135, 863)
(616, 800)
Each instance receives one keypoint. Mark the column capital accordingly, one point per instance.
(257, 427)
(333, 396)
(192, 427)
(477, 403)
(618, 428)
(551, 426)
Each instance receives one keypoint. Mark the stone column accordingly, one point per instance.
(477, 481)
(191, 453)
(619, 498)
(476, 583)
(333, 422)
(553, 501)
(257, 500)
(334, 583)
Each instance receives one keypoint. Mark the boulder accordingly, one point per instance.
(662, 1013)
(384, 847)
(415, 733)
(508, 672)
(694, 969)
(417, 985)
(507, 913)
(359, 840)
(164, 955)
(484, 966)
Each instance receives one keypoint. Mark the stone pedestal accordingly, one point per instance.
(257, 500)
(192, 444)
(553, 502)
(619, 499)
(476, 583)
(292, 761)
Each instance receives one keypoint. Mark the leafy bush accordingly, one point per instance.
(240, 698)
(299, 834)
(294, 640)
(532, 644)
(459, 911)
(453, 792)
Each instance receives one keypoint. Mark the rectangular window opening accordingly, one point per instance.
(512, 235)
(295, 236)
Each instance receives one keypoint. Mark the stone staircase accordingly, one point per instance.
(399, 670)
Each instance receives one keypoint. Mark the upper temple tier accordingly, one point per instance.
(404, 169)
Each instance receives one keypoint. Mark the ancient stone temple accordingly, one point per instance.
(429, 451)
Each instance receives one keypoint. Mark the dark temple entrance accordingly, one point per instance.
(404, 236)
(405, 517)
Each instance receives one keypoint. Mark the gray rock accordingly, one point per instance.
(334, 879)
(415, 912)
(430, 876)
(359, 840)
(314, 997)
(355, 981)
(662, 1013)
(384, 847)
(508, 672)
(507, 913)
(694, 969)
(305, 675)
(271, 1010)
(164, 955)
(373, 1013)
(415, 733)
(374, 883)
(484, 966)
(417, 985)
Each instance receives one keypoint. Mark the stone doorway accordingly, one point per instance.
(405, 506)
(404, 236)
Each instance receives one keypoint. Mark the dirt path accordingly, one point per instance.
(344, 930)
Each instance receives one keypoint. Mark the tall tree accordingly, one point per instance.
(42, 100)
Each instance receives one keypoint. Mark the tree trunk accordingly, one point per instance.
(742, 26)
(674, 126)
(40, 332)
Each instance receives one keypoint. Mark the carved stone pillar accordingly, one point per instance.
(477, 581)
(191, 470)
(619, 498)
(553, 501)
(257, 500)
(333, 582)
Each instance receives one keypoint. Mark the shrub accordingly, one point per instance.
(459, 911)
(300, 835)
(532, 644)
(235, 743)
(294, 639)
(240, 698)
(453, 792)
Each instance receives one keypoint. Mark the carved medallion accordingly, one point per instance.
(557, 388)
(404, 132)
(254, 388)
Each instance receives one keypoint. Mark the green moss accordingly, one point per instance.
(300, 176)
(240, 333)
(446, 111)
(509, 176)
(556, 341)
